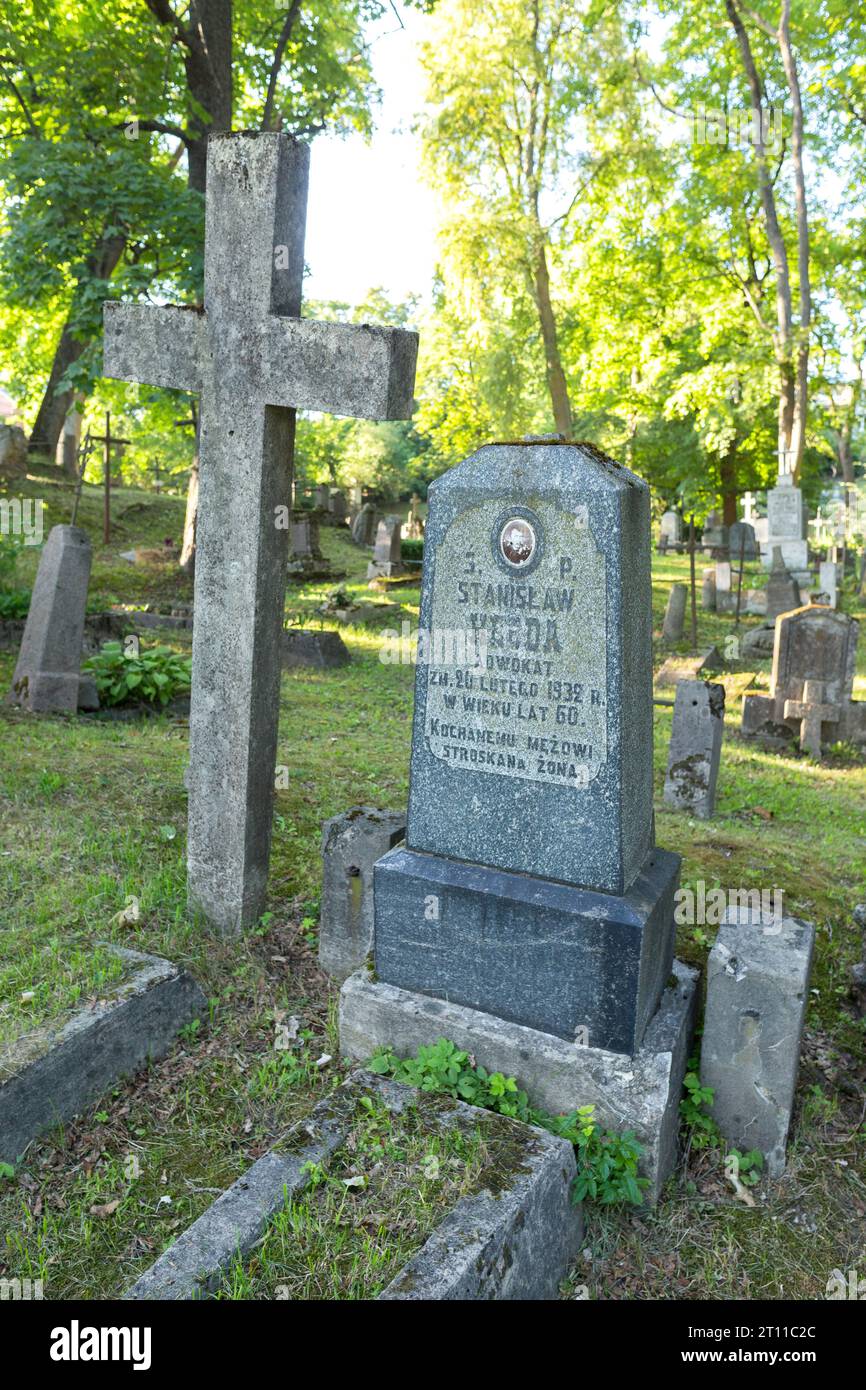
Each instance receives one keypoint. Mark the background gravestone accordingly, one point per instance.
(675, 613)
(530, 887)
(812, 644)
(671, 527)
(387, 556)
(364, 525)
(48, 671)
(742, 536)
(783, 591)
(695, 747)
(786, 527)
(828, 581)
(708, 590)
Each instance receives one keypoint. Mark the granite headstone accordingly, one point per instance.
(530, 887)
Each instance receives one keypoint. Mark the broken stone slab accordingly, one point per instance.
(179, 622)
(351, 844)
(305, 647)
(640, 1093)
(47, 676)
(759, 641)
(757, 991)
(516, 1245)
(58, 1069)
(695, 748)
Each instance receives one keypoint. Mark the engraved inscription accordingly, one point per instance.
(535, 706)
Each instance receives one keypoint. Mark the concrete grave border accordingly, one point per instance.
(57, 1070)
(517, 1244)
(640, 1093)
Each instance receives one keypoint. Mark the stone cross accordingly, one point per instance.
(254, 361)
(813, 713)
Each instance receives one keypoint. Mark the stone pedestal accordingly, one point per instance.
(564, 960)
(351, 844)
(757, 991)
(640, 1093)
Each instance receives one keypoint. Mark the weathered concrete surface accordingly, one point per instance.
(254, 361)
(306, 647)
(695, 747)
(757, 991)
(675, 613)
(555, 958)
(641, 1093)
(48, 671)
(57, 1070)
(236, 1220)
(519, 1243)
(351, 844)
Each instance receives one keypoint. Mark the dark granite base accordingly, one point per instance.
(552, 957)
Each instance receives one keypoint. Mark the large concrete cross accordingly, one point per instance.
(254, 361)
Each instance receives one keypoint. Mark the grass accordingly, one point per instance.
(94, 813)
(47, 983)
(373, 1206)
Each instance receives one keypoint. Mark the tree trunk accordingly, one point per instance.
(55, 406)
(187, 554)
(728, 486)
(556, 382)
(208, 63)
(801, 407)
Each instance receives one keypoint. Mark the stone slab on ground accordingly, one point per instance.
(757, 992)
(57, 1070)
(98, 628)
(686, 668)
(305, 647)
(515, 1245)
(640, 1093)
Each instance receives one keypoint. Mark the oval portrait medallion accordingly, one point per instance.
(517, 542)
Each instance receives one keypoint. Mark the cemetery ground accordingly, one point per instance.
(94, 814)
